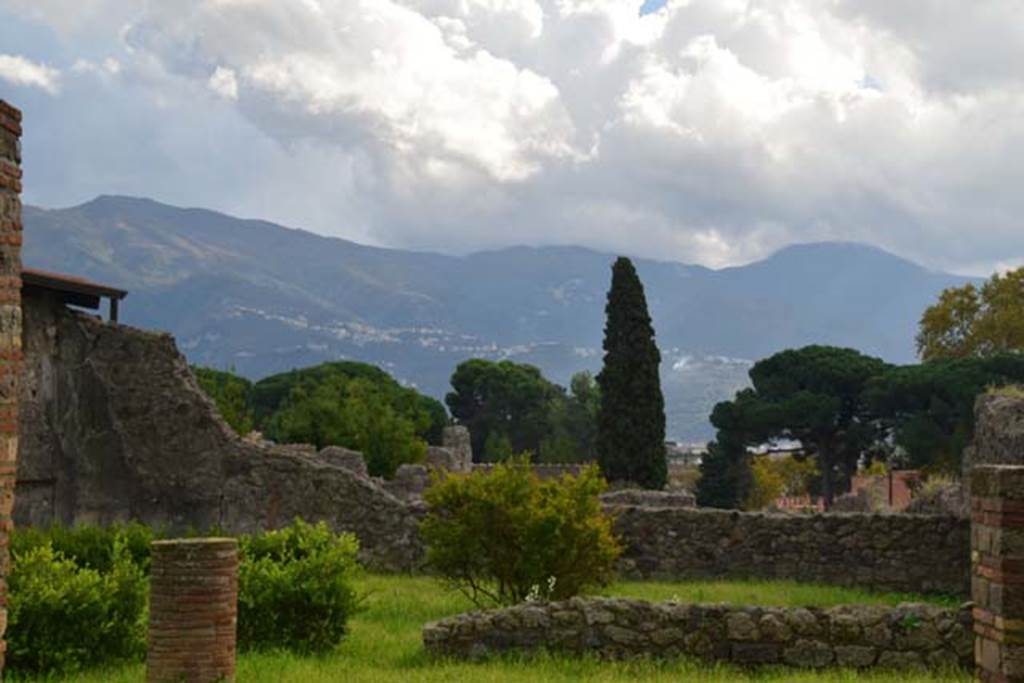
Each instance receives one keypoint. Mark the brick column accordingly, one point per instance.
(10, 333)
(193, 607)
(997, 559)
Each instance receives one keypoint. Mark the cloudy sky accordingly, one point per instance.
(709, 131)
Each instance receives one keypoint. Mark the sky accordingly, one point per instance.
(702, 131)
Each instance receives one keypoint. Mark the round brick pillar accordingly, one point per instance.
(193, 608)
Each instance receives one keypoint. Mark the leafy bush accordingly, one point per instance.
(64, 617)
(82, 591)
(504, 536)
(295, 588)
(90, 547)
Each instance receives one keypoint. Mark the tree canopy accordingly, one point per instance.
(271, 393)
(812, 396)
(232, 395)
(354, 405)
(631, 421)
(972, 321)
(917, 416)
(511, 408)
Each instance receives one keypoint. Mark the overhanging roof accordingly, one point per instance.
(76, 291)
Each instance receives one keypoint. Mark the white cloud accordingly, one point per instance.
(224, 82)
(709, 130)
(19, 71)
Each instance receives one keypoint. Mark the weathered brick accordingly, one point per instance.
(10, 332)
(193, 607)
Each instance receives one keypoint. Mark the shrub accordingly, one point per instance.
(295, 588)
(64, 617)
(91, 547)
(504, 535)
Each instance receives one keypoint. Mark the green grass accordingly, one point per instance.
(384, 641)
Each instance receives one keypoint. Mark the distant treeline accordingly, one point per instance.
(509, 408)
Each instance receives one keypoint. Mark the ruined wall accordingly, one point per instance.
(913, 553)
(117, 428)
(908, 636)
(10, 332)
(999, 430)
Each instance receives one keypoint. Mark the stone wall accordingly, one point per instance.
(912, 553)
(999, 430)
(908, 636)
(116, 428)
(10, 332)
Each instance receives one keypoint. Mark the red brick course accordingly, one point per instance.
(193, 609)
(10, 333)
(997, 558)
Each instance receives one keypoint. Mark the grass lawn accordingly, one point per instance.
(384, 641)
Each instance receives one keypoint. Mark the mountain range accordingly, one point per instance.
(260, 298)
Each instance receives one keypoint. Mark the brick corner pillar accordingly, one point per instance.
(193, 608)
(10, 334)
(997, 560)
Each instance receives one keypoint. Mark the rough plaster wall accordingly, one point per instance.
(118, 421)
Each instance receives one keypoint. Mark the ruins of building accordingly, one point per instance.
(115, 428)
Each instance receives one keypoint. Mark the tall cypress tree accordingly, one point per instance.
(631, 422)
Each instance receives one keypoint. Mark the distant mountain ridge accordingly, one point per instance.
(261, 298)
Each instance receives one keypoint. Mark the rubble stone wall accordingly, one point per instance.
(907, 636)
(895, 552)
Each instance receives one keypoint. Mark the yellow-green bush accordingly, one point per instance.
(504, 535)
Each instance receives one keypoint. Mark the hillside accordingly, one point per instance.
(262, 298)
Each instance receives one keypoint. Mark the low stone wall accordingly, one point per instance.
(909, 553)
(908, 636)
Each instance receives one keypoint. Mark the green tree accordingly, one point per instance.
(231, 394)
(725, 475)
(631, 420)
(928, 409)
(354, 414)
(813, 396)
(513, 400)
(968, 321)
(581, 415)
(272, 393)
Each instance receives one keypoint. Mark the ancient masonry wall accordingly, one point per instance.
(116, 428)
(10, 332)
(908, 636)
(909, 553)
(997, 535)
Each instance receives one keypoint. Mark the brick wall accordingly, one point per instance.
(10, 331)
(997, 556)
(193, 610)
